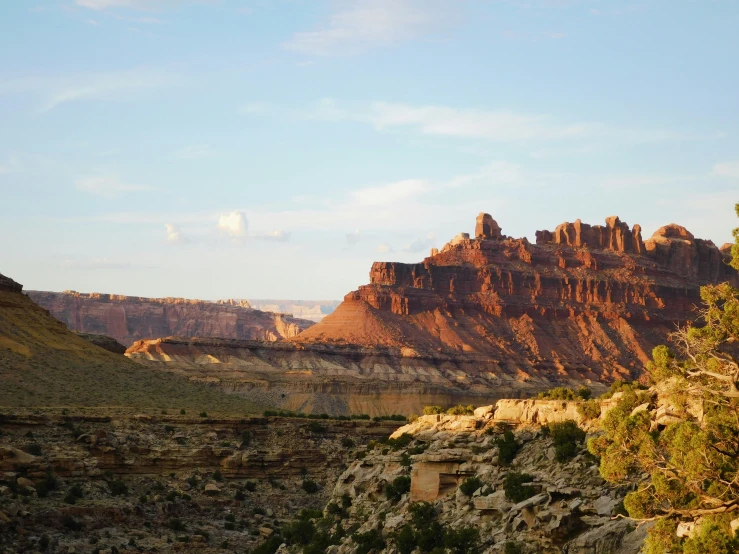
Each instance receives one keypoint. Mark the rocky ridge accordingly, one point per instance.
(570, 509)
(163, 482)
(131, 318)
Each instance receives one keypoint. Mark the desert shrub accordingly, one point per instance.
(269, 546)
(371, 540)
(176, 524)
(34, 449)
(118, 488)
(590, 409)
(512, 548)
(463, 540)
(239, 496)
(405, 460)
(567, 438)
(401, 442)
(182, 412)
(507, 447)
(203, 414)
(300, 531)
(334, 509)
(461, 410)
(310, 486)
(72, 524)
(515, 486)
(346, 442)
(251, 486)
(418, 449)
(315, 427)
(470, 485)
(405, 540)
(73, 494)
(412, 418)
(229, 526)
(433, 410)
(622, 386)
(217, 475)
(400, 485)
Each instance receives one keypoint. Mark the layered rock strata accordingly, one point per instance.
(481, 319)
(129, 318)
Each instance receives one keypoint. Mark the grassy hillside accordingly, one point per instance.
(43, 364)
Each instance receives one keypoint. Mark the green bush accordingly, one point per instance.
(590, 409)
(371, 540)
(310, 486)
(433, 410)
(270, 546)
(217, 475)
(34, 449)
(461, 410)
(567, 438)
(566, 393)
(395, 490)
(622, 386)
(515, 486)
(118, 488)
(401, 442)
(315, 427)
(203, 414)
(470, 485)
(507, 447)
(176, 525)
(246, 438)
(512, 548)
(346, 442)
(463, 540)
(251, 486)
(72, 524)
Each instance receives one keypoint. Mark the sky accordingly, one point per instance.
(276, 148)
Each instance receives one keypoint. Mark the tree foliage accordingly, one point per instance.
(678, 443)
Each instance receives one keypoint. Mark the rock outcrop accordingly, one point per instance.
(587, 301)
(567, 506)
(7, 284)
(105, 342)
(129, 318)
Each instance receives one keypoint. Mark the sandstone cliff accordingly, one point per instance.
(588, 301)
(129, 318)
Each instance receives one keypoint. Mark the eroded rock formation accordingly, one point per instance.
(587, 300)
(480, 319)
(6, 283)
(129, 318)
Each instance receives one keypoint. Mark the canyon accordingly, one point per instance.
(486, 317)
(131, 318)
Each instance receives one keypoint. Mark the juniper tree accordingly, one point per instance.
(684, 464)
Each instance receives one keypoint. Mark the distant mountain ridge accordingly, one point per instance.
(314, 310)
(131, 318)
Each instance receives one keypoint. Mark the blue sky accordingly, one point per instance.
(223, 148)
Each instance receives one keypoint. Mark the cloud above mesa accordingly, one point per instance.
(360, 25)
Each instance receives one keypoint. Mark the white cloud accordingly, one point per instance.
(234, 224)
(727, 169)
(55, 91)
(390, 193)
(174, 234)
(353, 237)
(109, 187)
(421, 244)
(383, 248)
(4, 169)
(278, 236)
(144, 5)
(196, 152)
(360, 25)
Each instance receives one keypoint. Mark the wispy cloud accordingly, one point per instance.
(55, 91)
(277, 236)
(727, 169)
(109, 187)
(353, 237)
(390, 193)
(143, 5)
(478, 123)
(360, 25)
(420, 244)
(196, 152)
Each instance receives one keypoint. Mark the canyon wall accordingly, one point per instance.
(482, 319)
(130, 318)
